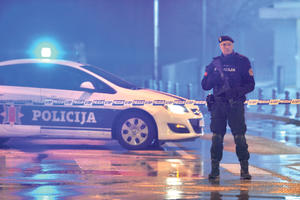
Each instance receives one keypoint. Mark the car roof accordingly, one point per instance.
(36, 60)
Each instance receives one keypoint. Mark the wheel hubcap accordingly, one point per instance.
(134, 131)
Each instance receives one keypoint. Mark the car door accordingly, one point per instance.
(19, 91)
(68, 93)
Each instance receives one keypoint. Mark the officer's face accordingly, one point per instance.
(226, 47)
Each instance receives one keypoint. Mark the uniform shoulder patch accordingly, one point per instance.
(250, 72)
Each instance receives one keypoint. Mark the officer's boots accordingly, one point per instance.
(244, 170)
(215, 171)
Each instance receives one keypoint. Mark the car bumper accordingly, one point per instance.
(178, 126)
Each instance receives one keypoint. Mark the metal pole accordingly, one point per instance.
(298, 55)
(273, 111)
(189, 91)
(287, 106)
(156, 38)
(203, 32)
(176, 88)
(203, 48)
(298, 105)
(280, 79)
(260, 97)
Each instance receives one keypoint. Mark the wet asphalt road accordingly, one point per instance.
(61, 168)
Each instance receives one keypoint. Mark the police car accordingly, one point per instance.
(69, 99)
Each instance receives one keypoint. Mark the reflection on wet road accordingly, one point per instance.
(50, 169)
(279, 131)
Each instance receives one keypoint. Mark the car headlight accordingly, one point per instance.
(178, 109)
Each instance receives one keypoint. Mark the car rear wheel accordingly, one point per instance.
(136, 131)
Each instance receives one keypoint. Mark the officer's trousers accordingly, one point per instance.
(224, 112)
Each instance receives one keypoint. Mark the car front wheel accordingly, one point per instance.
(136, 131)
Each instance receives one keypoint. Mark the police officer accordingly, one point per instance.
(231, 77)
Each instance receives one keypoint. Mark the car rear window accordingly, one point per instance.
(111, 77)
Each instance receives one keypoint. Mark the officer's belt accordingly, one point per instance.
(224, 100)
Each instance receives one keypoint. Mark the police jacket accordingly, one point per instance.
(230, 77)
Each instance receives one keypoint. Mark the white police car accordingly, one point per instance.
(64, 98)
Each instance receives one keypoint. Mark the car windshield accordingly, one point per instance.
(112, 78)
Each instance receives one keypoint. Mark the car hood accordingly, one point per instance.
(150, 95)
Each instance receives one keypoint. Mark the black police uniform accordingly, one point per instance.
(231, 78)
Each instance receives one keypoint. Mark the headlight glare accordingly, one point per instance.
(177, 109)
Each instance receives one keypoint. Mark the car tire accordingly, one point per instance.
(157, 144)
(135, 131)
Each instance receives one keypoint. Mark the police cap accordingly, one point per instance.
(225, 38)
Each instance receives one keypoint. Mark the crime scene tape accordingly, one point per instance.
(102, 102)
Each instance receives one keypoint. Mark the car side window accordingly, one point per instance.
(49, 75)
(19, 75)
(67, 78)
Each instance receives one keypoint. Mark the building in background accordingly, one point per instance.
(286, 52)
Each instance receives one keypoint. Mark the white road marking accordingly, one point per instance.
(235, 169)
(183, 153)
(295, 167)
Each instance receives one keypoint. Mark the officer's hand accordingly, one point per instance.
(217, 63)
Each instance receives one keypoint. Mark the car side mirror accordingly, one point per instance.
(87, 85)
